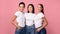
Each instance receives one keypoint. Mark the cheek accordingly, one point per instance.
(39, 9)
(29, 9)
(21, 8)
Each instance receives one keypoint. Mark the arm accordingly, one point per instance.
(45, 23)
(12, 21)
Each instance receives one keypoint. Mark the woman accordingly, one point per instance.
(20, 19)
(39, 19)
(30, 19)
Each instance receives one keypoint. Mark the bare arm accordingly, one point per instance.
(13, 19)
(45, 23)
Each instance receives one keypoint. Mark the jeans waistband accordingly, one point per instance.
(29, 27)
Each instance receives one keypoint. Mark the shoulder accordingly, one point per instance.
(17, 12)
(25, 13)
(34, 14)
(41, 14)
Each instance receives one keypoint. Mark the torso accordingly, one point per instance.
(20, 18)
(38, 20)
(29, 19)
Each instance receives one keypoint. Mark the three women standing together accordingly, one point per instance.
(29, 23)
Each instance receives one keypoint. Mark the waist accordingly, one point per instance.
(29, 23)
(21, 25)
(29, 27)
(20, 20)
(41, 29)
(38, 26)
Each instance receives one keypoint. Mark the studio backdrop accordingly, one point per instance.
(51, 10)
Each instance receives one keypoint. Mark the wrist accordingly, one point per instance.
(17, 26)
(41, 28)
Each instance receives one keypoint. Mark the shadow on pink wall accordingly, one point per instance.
(9, 7)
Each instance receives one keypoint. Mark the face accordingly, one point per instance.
(39, 8)
(21, 7)
(30, 9)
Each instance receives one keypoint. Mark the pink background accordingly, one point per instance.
(9, 7)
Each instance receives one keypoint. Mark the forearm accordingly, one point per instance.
(14, 24)
(13, 19)
(44, 25)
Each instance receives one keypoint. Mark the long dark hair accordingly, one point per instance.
(32, 6)
(42, 8)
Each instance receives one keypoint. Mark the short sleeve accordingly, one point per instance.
(25, 14)
(42, 14)
(16, 13)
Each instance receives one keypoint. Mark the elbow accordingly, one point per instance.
(46, 23)
(11, 21)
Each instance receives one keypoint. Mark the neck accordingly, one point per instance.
(30, 12)
(20, 11)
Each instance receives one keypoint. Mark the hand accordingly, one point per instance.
(38, 29)
(18, 27)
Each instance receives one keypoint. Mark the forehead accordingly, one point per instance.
(21, 5)
(30, 6)
(39, 5)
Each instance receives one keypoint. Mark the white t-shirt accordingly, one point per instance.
(20, 18)
(29, 19)
(38, 20)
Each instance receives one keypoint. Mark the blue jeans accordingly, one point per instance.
(30, 29)
(42, 31)
(21, 31)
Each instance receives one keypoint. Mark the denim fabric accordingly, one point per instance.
(21, 31)
(30, 29)
(42, 31)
